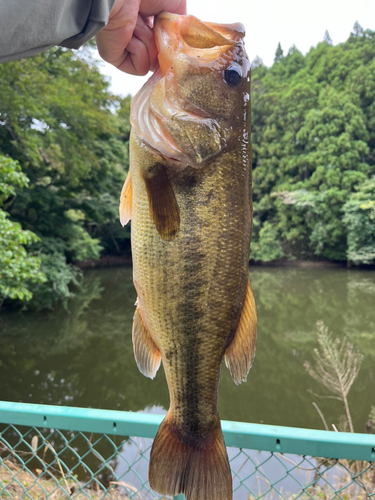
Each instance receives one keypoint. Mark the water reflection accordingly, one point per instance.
(255, 468)
(83, 356)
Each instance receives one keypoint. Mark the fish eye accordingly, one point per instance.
(233, 76)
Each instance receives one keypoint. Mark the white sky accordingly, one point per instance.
(267, 22)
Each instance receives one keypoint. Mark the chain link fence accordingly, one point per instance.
(44, 462)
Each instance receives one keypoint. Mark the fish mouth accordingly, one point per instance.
(173, 31)
(162, 116)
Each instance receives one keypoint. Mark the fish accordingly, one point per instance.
(188, 196)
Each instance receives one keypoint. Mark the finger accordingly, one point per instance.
(112, 43)
(155, 7)
(113, 39)
(149, 21)
(136, 59)
(181, 8)
(140, 54)
(146, 35)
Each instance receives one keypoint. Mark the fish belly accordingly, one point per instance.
(191, 289)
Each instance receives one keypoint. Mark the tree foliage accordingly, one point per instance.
(19, 269)
(69, 134)
(313, 134)
(359, 220)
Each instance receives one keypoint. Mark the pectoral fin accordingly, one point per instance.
(164, 209)
(147, 355)
(126, 196)
(240, 353)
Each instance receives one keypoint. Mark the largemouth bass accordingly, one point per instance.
(188, 193)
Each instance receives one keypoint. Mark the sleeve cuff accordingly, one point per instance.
(98, 18)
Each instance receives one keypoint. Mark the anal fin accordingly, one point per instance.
(147, 355)
(163, 205)
(240, 353)
(125, 208)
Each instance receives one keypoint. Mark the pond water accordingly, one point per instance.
(82, 356)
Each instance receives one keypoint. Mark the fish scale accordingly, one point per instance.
(191, 227)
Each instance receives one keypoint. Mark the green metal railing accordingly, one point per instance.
(60, 452)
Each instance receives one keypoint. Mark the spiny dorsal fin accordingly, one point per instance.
(146, 354)
(164, 210)
(126, 196)
(240, 353)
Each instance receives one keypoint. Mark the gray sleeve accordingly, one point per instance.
(31, 26)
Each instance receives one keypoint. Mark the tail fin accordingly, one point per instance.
(200, 471)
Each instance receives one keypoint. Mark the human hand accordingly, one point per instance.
(127, 41)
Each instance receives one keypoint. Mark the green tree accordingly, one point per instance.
(357, 29)
(327, 38)
(19, 268)
(359, 220)
(257, 62)
(69, 134)
(334, 138)
(267, 247)
(279, 54)
(294, 61)
(313, 137)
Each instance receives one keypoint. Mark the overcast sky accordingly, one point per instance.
(268, 22)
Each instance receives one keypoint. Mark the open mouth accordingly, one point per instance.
(166, 114)
(172, 31)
